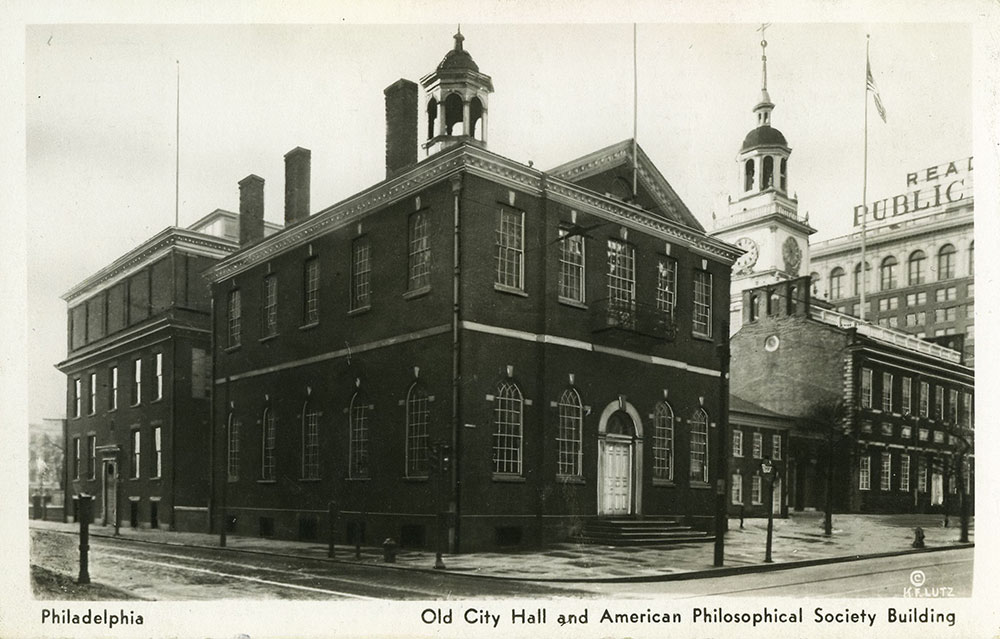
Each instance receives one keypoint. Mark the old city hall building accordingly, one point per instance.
(523, 350)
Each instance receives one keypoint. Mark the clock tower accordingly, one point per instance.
(763, 218)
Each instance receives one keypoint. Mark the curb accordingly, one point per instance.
(707, 573)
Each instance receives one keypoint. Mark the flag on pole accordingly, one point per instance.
(874, 90)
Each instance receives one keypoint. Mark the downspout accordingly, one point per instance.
(211, 420)
(456, 366)
(173, 428)
(540, 407)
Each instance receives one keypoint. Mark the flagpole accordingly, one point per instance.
(177, 152)
(635, 115)
(864, 189)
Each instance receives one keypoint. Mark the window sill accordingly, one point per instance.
(702, 337)
(267, 338)
(360, 310)
(508, 479)
(417, 292)
(267, 481)
(135, 405)
(156, 401)
(570, 479)
(417, 479)
(309, 480)
(232, 480)
(503, 288)
(664, 482)
(573, 303)
(699, 485)
(113, 410)
(306, 327)
(230, 349)
(362, 479)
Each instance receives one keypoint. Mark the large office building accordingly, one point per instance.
(472, 341)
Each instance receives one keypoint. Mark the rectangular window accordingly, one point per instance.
(885, 476)
(775, 446)
(921, 475)
(904, 473)
(866, 388)
(268, 445)
(159, 376)
(310, 297)
(702, 320)
(756, 495)
(666, 286)
(136, 382)
(621, 283)
(886, 429)
(945, 314)
(92, 456)
(925, 399)
(77, 396)
(887, 392)
(948, 294)
(907, 395)
(113, 395)
(235, 320)
(736, 489)
(758, 446)
(233, 456)
(571, 266)
(916, 299)
(966, 416)
(136, 449)
(923, 434)
(888, 303)
(310, 444)
(157, 452)
(953, 406)
(906, 432)
(76, 458)
(92, 403)
(939, 402)
(269, 306)
(361, 271)
(419, 246)
(737, 443)
(865, 473)
(510, 249)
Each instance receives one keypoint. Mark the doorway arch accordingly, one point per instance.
(619, 460)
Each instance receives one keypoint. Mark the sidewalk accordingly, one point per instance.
(796, 539)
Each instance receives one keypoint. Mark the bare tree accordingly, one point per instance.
(827, 419)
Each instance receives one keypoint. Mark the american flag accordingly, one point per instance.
(874, 89)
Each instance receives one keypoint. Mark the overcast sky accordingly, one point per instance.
(100, 119)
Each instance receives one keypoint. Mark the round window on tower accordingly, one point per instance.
(771, 343)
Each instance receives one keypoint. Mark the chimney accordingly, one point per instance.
(400, 126)
(297, 185)
(251, 210)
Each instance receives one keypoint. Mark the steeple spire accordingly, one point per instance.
(459, 38)
(765, 106)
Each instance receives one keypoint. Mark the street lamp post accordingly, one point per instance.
(768, 471)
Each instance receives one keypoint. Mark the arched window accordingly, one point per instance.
(418, 417)
(767, 173)
(836, 283)
(475, 119)
(663, 441)
(857, 276)
(784, 174)
(773, 303)
(887, 273)
(699, 446)
(507, 429)
(570, 437)
(310, 442)
(793, 294)
(360, 414)
(754, 307)
(748, 170)
(915, 268)
(432, 114)
(268, 436)
(454, 116)
(233, 452)
(946, 262)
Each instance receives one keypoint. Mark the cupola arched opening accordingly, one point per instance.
(453, 120)
(767, 173)
(432, 112)
(748, 171)
(476, 119)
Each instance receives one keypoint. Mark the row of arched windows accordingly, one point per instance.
(917, 271)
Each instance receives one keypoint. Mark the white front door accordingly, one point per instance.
(776, 497)
(616, 478)
(937, 489)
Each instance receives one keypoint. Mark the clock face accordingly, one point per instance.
(792, 254)
(747, 260)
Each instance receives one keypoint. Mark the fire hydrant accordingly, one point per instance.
(389, 547)
(918, 537)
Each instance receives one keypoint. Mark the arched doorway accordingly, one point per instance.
(619, 461)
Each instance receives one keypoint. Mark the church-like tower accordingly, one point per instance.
(457, 100)
(763, 218)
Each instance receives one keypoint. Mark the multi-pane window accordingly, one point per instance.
(113, 394)
(136, 381)
(865, 473)
(234, 318)
(775, 446)
(887, 273)
(939, 402)
(158, 391)
(737, 443)
(907, 395)
(837, 283)
(866, 388)
(953, 406)
(699, 446)
(76, 458)
(621, 282)
(268, 437)
(92, 456)
(701, 322)
(358, 444)
(570, 437)
(136, 450)
(361, 271)
(885, 476)
(736, 489)
(925, 399)
(419, 252)
(571, 266)
(310, 442)
(310, 288)
(666, 286)
(510, 249)
(77, 396)
(888, 304)
(857, 278)
(663, 441)
(157, 452)
(92, 403)
(966, 416)
(269, 306)
(233, 454)
(946, 294)
(904, 472)
(946, 262)
(916, 299)
(921, 475)
(418, 418)
(915, 268)
(887, 392)
(756, 492)
(758, 446)
(507, 422)
(916, 319)
(945, 314)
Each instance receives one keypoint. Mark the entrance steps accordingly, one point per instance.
(631, 531)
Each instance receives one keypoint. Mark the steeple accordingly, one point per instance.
(765, 106)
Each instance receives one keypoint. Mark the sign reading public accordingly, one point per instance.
(936, 185)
